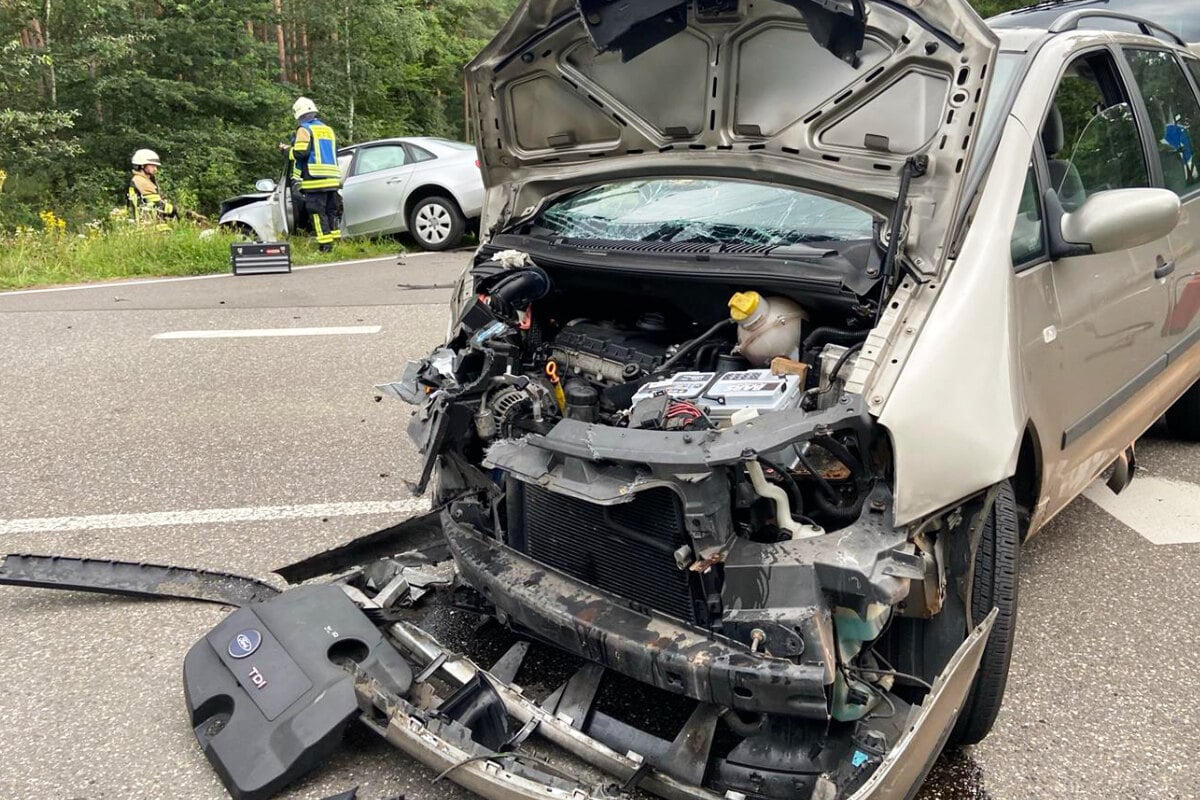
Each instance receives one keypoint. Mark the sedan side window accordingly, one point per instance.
(1174, 115)
(1090, 134)
(376, 159)
(420, 154)
(1029, 233)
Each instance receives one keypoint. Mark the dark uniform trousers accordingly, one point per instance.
(322, 205)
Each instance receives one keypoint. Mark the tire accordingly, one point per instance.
(436, 223)
(994, 585)
(241, 229)
(1183, 418)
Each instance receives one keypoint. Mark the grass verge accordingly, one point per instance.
(51, 256)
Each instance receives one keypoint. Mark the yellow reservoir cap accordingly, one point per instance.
(743, 304)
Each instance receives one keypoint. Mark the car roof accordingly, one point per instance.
(1177, 18)
(1024, 29)
(435, 142)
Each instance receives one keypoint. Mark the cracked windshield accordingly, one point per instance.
(716, 212)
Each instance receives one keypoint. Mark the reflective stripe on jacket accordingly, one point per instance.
(314, 156)
(145, 200)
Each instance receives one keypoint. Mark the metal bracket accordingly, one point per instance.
(687, 759)
(505, 668)
(576, 697)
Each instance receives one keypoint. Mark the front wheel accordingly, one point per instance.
(923, 647)
(436, 223)
(994, 586)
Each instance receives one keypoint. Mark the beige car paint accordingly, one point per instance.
(956, 414)
(1042, 348)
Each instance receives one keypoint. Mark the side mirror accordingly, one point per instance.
(264, 185)
(1119, 219)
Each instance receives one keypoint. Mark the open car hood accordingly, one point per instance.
(831, 95)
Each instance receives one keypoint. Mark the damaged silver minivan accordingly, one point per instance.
(792, 319)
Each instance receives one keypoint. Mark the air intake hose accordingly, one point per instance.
(831, 335)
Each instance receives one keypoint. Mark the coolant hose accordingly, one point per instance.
(740, 726)
(832, 335)
(783, 508)
(838, 513)
(692, 346)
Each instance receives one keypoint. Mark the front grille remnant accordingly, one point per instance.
(627, 549)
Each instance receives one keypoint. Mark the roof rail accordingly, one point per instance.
(1070, 22)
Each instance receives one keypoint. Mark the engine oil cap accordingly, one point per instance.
(743, 304)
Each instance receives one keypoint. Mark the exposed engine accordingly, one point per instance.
(522, 368)
(659, 454)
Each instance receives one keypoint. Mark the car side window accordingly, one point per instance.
(419, 154)
(375, 159)
(1194, 66)
(1174, 115)
(1090, 134)
(1029, 232)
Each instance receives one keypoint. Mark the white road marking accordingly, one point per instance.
(211, 516)
(142, 281)
(257, 333)
(1160, 510)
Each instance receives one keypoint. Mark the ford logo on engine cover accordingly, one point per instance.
(245, 643)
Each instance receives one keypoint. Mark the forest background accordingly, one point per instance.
(209, 85)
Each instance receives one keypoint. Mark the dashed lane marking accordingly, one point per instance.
(210, 516)
(1160, 510)
(259, 333)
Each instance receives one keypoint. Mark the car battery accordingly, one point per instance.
(722, 395)
(681, 386)
(757, 389)
(260, 258)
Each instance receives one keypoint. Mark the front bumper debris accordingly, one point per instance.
(272, 688)
(474, 734)
(132, 579)
(654, 648)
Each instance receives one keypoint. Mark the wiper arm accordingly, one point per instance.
(801, 251)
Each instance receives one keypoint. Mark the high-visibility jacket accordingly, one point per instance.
(145, 200)
(314, 156)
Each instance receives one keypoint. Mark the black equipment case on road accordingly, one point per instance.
(249, 258)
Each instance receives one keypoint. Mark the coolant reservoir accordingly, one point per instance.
(768, 327)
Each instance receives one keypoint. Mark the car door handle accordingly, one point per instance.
(397, 180)
(1163, 269)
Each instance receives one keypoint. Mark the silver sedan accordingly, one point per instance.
(426, 186)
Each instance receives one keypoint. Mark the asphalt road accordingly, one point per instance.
(267, 449)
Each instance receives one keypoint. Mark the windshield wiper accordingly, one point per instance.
(801, 251)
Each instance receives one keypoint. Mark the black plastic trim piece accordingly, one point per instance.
(131, 579)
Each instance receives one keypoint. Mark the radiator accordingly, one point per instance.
(627, 549)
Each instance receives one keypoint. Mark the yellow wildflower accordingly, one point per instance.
(52, 224)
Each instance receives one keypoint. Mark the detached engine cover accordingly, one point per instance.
(268, 697)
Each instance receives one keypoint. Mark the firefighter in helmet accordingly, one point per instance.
(315, 174)
(146, 202)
